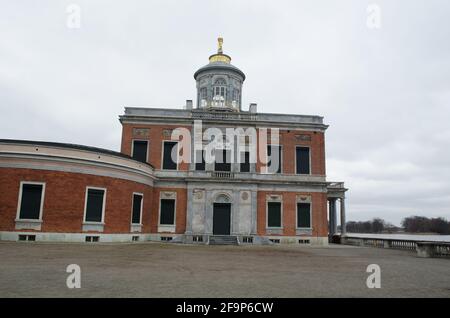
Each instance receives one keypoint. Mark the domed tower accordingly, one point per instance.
(219, 84)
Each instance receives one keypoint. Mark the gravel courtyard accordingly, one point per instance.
(170, 270)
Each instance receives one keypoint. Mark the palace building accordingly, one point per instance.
(180, 176)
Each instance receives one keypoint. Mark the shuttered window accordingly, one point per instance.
(137, 208)
(167, 216)
(140, 149)
(170, 163)
(94, 205)
(223, 159)
(303, 215)
(200, 160)
(30, 204)
(273, 214)
(302, 163)
(245, 161)
(274, 157)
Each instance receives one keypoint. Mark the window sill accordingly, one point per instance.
(166, 228)
(272, 230)
(93, 226)
(135, 227)
(28, 224)
(304, 230)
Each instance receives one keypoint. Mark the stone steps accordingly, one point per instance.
(223, 240)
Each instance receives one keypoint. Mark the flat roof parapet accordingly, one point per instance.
(144, 113)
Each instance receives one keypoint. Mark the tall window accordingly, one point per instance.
(167, 212)
(203, 93)
(140, 150)
(220, 88)
(200, 160)
(302, 164)
(137, 208)
(170, 153)
(95, 205)
(236, 95)
(245, 161)
(273, 214)
(31, 201)
(274, 158)
(303, 215)
(223, 159)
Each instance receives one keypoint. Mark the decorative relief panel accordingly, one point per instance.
(274, 197)
(304, 198)
(222, 198)
(303, 137)
(141, 132)
(244, 196)
(168, 195)
(167, 132)
(199, 194)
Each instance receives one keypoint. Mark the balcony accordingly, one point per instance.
(222, 115)
(222, 174)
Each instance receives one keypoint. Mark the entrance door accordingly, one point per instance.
(221, 218)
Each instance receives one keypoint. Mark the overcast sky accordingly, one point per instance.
(385, 92)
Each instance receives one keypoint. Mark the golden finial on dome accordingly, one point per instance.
(220, 43)
(219, 56)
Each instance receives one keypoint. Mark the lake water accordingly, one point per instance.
(412, 237)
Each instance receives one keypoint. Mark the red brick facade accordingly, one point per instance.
(64, 200)
(289, 201)
(155, 138)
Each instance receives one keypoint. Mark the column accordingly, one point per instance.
(343, 227)
(235, 218)
(209, 213)
(332, 222)
(189, 212)
(254, 198)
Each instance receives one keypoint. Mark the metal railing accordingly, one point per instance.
(335, 185)
(223, 115)
(222, 174)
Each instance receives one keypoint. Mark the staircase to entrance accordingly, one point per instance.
(223, 240)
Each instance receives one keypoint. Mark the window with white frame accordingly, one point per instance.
(222, 160)
(203, 93)
(31, 201)
(273, 214)
(138, 201)
(95, 205)
(236, 95)
(274, 158)
(245, 161)
(200, 163)
(170, 155)
(220, 88)
(140, 150)
(303, 215)
(303, 161)
(167, 212)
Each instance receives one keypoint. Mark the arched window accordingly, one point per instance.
(220, 88)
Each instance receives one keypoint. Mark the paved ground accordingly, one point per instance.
(169, 270)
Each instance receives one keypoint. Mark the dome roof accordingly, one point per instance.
(220, 62)
(220, 66)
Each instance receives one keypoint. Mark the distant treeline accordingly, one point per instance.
(419, 224)
(412, 224)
